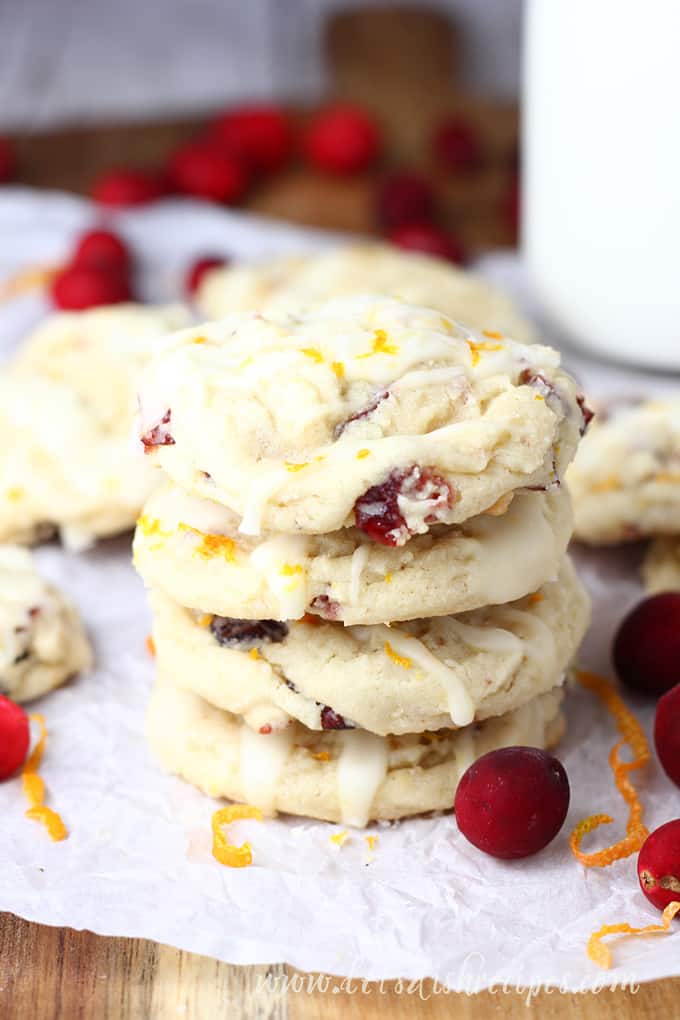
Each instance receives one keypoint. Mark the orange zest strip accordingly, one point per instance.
(34, 788)
(633, 735)
(224, 851)
(600, 954)
(26, 280)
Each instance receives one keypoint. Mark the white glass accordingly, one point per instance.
(601, 184)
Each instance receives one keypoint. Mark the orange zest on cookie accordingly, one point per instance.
(224, 851)
(600, 954)
(380, 345)
(633, 735)
(150, 645)
(400, 660)
(481, 345)
(34, 787)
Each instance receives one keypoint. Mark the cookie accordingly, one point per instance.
(661, 566)
(191, 549)
(364, 411)
(68, 403)
(283, 285)
(419, 675)
(43, 642)
(347, 776)
(625, 479)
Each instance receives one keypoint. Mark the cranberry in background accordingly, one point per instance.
(646, 650)
(404, 197)
(457, 146)
(120, 188)
(78, 287)
(658, 865)
(667, 733)
(15, 737)
(102, 248)
(206, 171)
(261, 135)
(198, 270)
(342, 140)
(7, 161)
(429, 240)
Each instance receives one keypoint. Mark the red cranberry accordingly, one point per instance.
(326, 607)
(121, 188)
(667, 733)
(659, 865)
(647, 645)
(102, 249)
(331, 720)
(198, 270)
(512, 802)
(456, 145)
(207, 172)
(342, 140)
(159, 435)
(7, 164)
(377, 511)
(246, 634)
(261, 135)
(77, 287)
(428, 239)
(404, 198)
(15, 736)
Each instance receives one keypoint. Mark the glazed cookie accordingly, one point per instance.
(625, 480)
(68, 402)
(349, 777)
(365, 411)
(661, 567)
(43, 641)
(283, 285)
(191, 549)
(421, 675)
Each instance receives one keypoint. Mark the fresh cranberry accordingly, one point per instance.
(342, 140)
(326, 607)
(456, 145)
(261, 135)
(198, 270)
(364, 412)
(15, 736)
(659, 865)
(207, 172)
(122, 187)
(646, 649)
(7, 163)
(428, 239)
(667, 733)
(378, 513)
(158, 435)
(246, 634)
(512, 802)
(511, 205)
(102, 249)
(331, 720)
(82, 286)
(404, 197)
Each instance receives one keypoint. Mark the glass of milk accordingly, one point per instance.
(601, 185)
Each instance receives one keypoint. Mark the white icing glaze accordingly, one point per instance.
(489, 639)
(282, 563)
(261, 491)
(262, 759)
(537, 637)
(362, 767)
(359, 560)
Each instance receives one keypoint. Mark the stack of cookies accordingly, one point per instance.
(356, 559)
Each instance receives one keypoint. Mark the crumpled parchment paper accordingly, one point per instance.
(424, 902)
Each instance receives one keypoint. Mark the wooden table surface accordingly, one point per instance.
(60, 974)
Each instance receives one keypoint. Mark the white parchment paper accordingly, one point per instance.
(138, 863)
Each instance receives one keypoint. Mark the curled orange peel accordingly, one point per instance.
(26, 280)
(34, 787)
(600, 954)
(633, 735)
(224, 851)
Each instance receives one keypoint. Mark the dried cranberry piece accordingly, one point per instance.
(377, 511)
(587, 414)
(530, 378)
(363, 413)
(326, 607)
(159, 435)
(247, 634)
(331, 720)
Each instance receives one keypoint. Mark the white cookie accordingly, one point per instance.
(283, 285)
(68, 403)
(42, 641)
(625, 479)
(191, 549)
(661, 566)
(350, 776)
(420, 675)
(365, 411)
